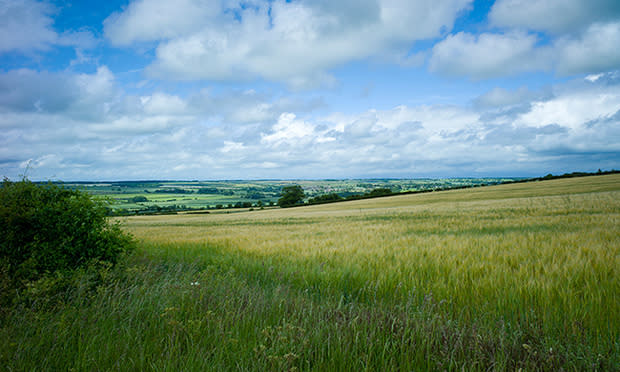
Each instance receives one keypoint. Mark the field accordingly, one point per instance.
(130, 197)
(519, 276)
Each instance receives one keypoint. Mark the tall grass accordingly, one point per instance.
(495, 278)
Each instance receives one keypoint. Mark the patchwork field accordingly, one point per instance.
(131, 197)
(495, 278)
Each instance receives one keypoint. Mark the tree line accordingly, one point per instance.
(294, 195)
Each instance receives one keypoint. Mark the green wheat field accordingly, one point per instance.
(518, 276)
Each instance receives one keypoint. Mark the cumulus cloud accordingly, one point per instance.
(149, 20)
(487, 55)
(28, 90)
(567, 37)
(293, 42)
(73, 125)
(27, 26)
(290, 131)
(249, 106)
(572, 108)
(102, 132)
(299, 42)
(163, 104)
(76, 95)
(596, 50)
(556, 16)
(91, 126)
(574, 124)
(492, 55)
(577, 124)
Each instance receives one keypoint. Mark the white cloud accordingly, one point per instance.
(248, 106)
(80, 39)
(564, 36)
(362, 126)
(79, 96)
(170, 136)
(593, 77)
(151, 20)
(487, 55)
(289, 131)
(162, 104)
(27, 26)
(596, 50)
(556, 16)
(293, 42)
(492, 55)
(230, 146)
(28, 90)
(572, 109)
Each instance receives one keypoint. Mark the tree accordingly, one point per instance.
(327, 198)
(291, 196)
(379, 192)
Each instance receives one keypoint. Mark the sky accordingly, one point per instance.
(307, 89)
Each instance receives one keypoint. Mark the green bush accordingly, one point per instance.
(48, 228)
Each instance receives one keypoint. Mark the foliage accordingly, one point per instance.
(375, 193)
(379, 192)
(291, 196)
(326, 198)
(45, 228)
(139, 199)
(550, 176)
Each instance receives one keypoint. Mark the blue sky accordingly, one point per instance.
(231, 89)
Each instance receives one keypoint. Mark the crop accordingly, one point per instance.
(501, 278)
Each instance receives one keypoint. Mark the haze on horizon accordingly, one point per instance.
(251, 89)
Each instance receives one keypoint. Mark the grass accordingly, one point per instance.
(500, 278)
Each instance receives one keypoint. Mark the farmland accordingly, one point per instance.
(152, 196)
(502, 277)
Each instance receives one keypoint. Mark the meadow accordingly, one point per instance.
(518, 276)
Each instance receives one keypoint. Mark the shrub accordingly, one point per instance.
(47, 228)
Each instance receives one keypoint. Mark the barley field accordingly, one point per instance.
(519, 276)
